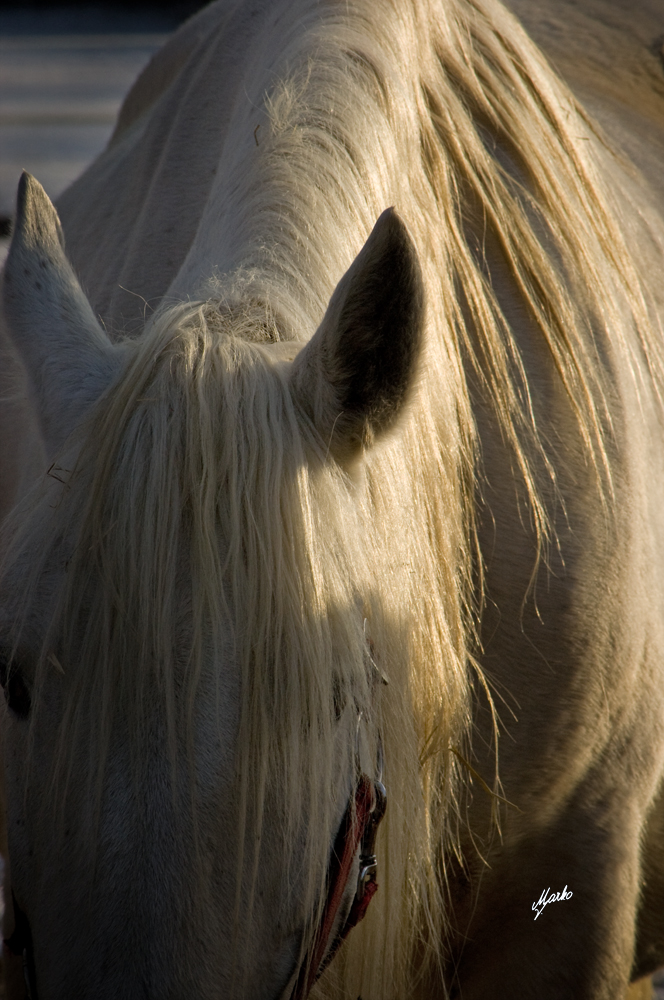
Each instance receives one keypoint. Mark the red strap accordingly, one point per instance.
(359, 908)
(345, 848)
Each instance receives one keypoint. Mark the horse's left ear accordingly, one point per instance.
(356, 373)
(68, 358)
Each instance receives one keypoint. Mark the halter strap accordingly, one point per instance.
(358, 829)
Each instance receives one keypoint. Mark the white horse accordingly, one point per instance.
(242, 500)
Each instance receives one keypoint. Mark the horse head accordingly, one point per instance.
(187, 594)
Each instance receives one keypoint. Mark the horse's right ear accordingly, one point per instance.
(354, 376)
(68, 358)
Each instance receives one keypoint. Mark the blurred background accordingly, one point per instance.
(64, 71)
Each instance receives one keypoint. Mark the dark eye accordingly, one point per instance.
(14, 686)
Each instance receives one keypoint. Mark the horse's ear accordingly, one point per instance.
(68, 358)
(354, 376)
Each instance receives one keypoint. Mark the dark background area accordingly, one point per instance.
(81, 16)
(64, 70)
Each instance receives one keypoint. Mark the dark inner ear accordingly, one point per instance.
(356, 373)
(379, 325)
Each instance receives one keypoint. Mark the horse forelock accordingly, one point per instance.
(204, 522)
(204, 525)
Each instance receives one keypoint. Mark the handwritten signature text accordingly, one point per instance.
(545, 899)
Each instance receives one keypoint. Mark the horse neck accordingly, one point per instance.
(290, 206)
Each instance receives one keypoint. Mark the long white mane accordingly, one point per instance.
(197, 467)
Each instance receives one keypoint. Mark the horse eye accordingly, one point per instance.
(15, 689)
(17, 695)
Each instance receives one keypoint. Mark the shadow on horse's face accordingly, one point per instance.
(122, 910)
(126, 913)
(119, 889)
(170, 820)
